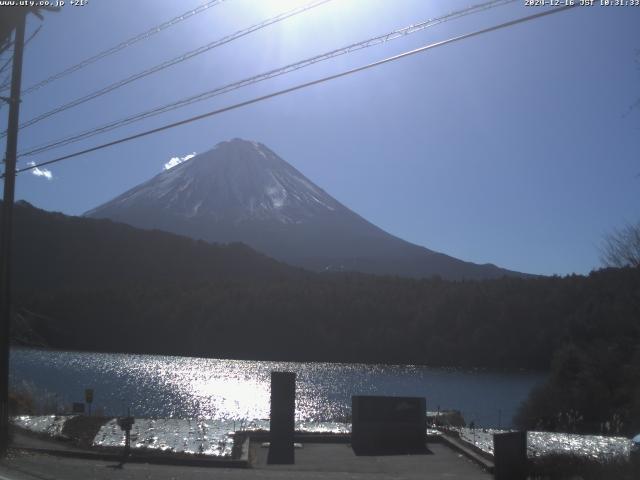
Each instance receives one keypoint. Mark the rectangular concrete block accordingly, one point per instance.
(283, 404)
(510, 455)
(388, 425)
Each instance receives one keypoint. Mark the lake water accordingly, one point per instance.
(238, 390)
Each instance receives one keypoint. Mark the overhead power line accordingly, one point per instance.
(265, 76)
(302, 86)
(174, 61)
(7, 84)
(122, 45)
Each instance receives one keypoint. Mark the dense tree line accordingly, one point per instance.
(95, 285)
(512, 323)
(594, 387)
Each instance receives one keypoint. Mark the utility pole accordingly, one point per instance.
(7, 230)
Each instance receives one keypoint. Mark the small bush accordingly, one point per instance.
(573, 467)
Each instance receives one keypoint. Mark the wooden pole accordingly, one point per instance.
(6, 235)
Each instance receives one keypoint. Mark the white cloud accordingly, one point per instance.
(40, 172)
(178, 160)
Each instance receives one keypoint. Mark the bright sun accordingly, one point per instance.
(275, 7)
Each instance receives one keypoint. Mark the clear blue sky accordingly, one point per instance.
(513, 148)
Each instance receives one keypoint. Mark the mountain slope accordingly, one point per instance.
(53, 251)
(242, 191)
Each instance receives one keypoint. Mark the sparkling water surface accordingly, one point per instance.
(192, 405)
(238, 390)
(196, 436)
(540, 444)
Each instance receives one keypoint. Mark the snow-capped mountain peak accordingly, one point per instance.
(242, 191)
(237, 181)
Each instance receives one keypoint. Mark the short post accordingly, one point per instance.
(510, 455)
(88, 398)
(283, 403)
(125, 424)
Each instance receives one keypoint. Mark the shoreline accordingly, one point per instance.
(445, 368)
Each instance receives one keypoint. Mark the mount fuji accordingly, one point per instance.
(241, 191)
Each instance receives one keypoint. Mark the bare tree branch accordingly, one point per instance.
(621, 248)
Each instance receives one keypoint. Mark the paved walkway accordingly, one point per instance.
(315, 461)
(443, 464)
(335, 460)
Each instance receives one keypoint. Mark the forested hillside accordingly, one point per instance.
(347, 317)
(53, 251)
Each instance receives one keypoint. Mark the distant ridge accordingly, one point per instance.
(241, 191)
(53, 251)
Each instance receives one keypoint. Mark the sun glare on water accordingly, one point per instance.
(230, 397)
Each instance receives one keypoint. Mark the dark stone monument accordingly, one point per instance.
(283, 403)
(388, 425)
(510, 455)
